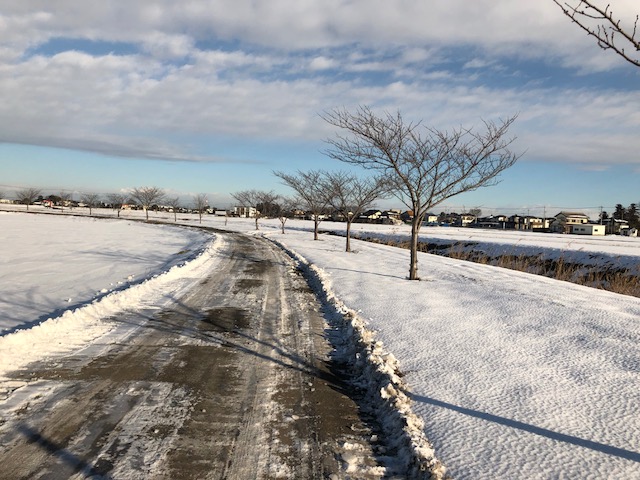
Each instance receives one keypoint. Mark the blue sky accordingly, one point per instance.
(212, 97)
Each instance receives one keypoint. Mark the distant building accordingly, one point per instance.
(246, 212)
(563, 222)
(588, 229)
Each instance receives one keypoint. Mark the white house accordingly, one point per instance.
(246, 212)
(588, 229)
(565, 221)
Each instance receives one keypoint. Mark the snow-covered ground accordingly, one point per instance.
(515, 376)
(49, 264)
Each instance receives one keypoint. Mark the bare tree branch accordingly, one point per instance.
(350, 195)
(27, 196)
(201, 204)
(601, 24)
(286, 209)
(147, 197)
(256, 199)
(91, 200)
(309, 188)
(174, 204)
(423, 165)
(117, 200)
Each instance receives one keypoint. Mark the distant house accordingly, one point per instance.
(617, 226)
(529, 222)
(563, 222)
(406, 216)
(467, 219)
(431, 219)
(588, 229)
(246, 212)
(370, 216)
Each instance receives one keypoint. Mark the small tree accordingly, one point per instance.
(311, 192)
(600, 23)
(65, 200)
(116, 200)
(27, 196)
(424, 165)
(200, 204)
(255, 198)
(147, 196)
(174, 204)
(91, 200)
(286, 210)
(350, 195)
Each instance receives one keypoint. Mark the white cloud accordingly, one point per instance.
(322, 63)
(529, 29)
(165, 46)
(174, 86)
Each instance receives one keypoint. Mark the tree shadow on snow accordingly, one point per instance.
(561, 437)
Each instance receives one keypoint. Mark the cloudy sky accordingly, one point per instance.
(211, 96)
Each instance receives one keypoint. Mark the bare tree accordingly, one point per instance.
(201, 204)
(174, 203)
(65, 199)
(117, 200)
(311, 192)
(350, 195)
(286, 210)
(424, 165)
(256, 198)
(91, 200)
(147, 197)
(600, 23)
(27, 196)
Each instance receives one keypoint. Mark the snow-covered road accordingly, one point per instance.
(228, 376)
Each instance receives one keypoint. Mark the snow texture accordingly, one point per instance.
(507, 374)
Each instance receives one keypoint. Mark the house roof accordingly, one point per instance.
(572, 214)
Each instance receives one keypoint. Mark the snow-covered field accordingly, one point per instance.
(515, 376)
(49, 264)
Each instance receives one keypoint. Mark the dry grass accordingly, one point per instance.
(620, 280)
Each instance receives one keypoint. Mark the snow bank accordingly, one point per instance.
(377, 373)
(53, 263)
(80, 327)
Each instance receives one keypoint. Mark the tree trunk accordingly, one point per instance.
(348, 248)
(413, 266)
(315, 227)
(257, 224)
